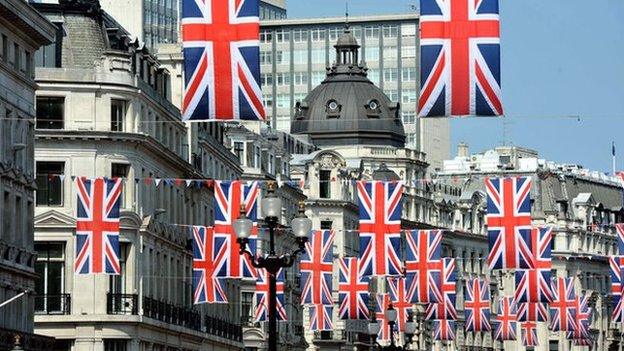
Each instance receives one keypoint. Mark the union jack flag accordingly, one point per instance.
(529, 334)
(209, 259)
(445, 309)
(321, 317)
(506, 319)
(380, 206)
(562, 308)
(423, 260)
(221, 60)
(620, 231)
(533, 285)
(399, 296)
(582, 320)
(477, 305)
(444, 330)
(383, 302)
(509, 222)
(615, 265)
(262, 296)
(532, 312)
(317, 268)
(353, 293)
(459, 58)
(229, 197)
(97, 226)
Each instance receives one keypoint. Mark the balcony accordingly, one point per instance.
(53, 304)
(217, 327)
(122, 304)
(168, 313)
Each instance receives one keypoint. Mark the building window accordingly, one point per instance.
(409, 117)
(282, 36)
(118, 113)
(300, 78)
(390, 53)
(409, 96)
(257, 157)
(283, 101)
(300, 36)
(373, 75)
(317, 34)
(266, 79)
(300, 57)
(391, 75)
(371, 54)
(282, 57)
(117, 283)
(282, 79)
(115, 345)
(246, 307)
(266, 36)
(408, 51)
(49, 183)
(49, 286)
(371, 32)
(50, 112)
(266, 57)
(5, 48)
(326, 225)
(120, 170)
(17, 56)
(239, 149)
(325, 184)
(390, 32)
(318, 56)
(409, 74)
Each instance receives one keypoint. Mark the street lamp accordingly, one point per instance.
(391, 316)
(301, 227)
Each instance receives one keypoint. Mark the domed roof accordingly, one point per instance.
(347, 108)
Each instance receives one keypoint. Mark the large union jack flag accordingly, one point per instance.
(221, 60)
(321, 317)
(533, 285)
(563, 306)
(477, 305)
(353, 292)
(582, 320)
(317, 268)
(615, 266)
(459, 58)
(444, 330)
(382, 303)
(230, 196)
(380, 206)
(262, 296)
(448, 282)
(532, 312)
(509, 222)
(529, 334)
(506, 319)
(209, 260)
(399, 296)
(423, 265)
(97, 226)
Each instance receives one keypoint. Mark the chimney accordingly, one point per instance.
(462, 150)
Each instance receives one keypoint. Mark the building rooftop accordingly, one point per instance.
(339, 20)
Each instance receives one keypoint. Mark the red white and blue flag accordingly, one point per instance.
(582, 320)
(399, 296)
(533, 285)
(615, 266)
(230, 196)
(353, 290)
(506, 319)
(460, 58)
(532, 312)
(529, 334)
(262, 296)
(423, 265)
(382, 304)
(509, 222)
(321, 317)
(209, 262)
(97, 226)
(563, 306)
(477, 305)
(448, 288)
(317, 269)
(221, 60)
(619, 228)
(444, 330)
(380, 205)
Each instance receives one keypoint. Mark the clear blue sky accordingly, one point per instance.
(559, 58)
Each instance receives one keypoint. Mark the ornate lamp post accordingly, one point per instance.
(301, 227)
(391, 316)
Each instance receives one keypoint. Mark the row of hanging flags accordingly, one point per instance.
(421, 277)
(459, 59)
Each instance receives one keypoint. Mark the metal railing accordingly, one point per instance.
(217, 327)
(172, 314)
(122, 304)
(53, 304)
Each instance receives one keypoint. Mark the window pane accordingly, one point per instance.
(50, 112)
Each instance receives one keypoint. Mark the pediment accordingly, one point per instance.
(54, 219)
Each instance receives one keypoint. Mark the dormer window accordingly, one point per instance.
(333, 109)
(373, 108)
(300, 108)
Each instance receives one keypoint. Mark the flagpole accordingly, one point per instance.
(613, 157)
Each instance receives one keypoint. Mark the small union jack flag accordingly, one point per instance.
(380, 205)
(533, 285)
(383, 302)
(399, 296)
(229, 197)
(506, 320)
(562, 308)
(529, 334)
(423, 265)
(262, 296)
(445, 309)
(221, 60)
(353, 290)
(620, 233)
(582, 320)
(509, 222)
(444, 330)
(477, 305)
(317, 268)
(321, 317)
(97, 226)
(209, 258)
(615, 266)
(532, 312)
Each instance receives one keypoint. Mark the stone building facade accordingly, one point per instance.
(22, 32)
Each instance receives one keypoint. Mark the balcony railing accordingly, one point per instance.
(169, 313)
(217, 327)
(122, 304)
(53, 304)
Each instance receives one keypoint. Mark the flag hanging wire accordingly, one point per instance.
(13, 299)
